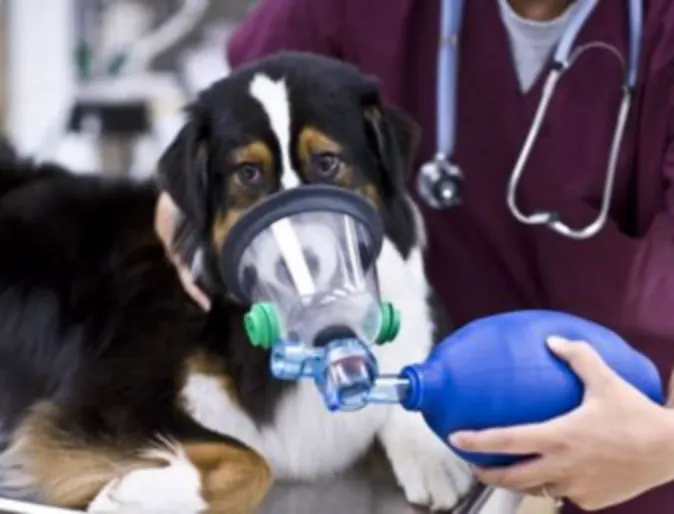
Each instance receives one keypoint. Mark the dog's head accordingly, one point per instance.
(282, 122)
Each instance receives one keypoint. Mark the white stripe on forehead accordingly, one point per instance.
(273, 97)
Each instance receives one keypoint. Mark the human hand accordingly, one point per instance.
(616, 445)
(165, 223)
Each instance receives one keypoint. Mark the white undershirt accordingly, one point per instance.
(532, 42)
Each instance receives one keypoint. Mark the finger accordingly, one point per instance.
(519, 440)
(191, 288)
(552, 492)
(584, 361)
(533, 474)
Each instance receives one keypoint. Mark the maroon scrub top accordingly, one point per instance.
(480, 259)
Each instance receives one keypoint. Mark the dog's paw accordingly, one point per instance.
(171, 489)
(430, 474)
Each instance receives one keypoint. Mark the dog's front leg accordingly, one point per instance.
(430, 474)
(201, 472)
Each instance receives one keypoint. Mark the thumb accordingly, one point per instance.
(584, 361)
(192, 289)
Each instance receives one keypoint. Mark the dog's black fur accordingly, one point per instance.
(94, 321)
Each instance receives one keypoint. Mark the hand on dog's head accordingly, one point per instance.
(166, 216)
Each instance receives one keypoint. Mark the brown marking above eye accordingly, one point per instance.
(257, 152)
(252, 167)
(369, 191)
(315, 146)
(249, 180)
(312, 141)
(321, 159)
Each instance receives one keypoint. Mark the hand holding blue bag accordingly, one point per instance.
(498, 372)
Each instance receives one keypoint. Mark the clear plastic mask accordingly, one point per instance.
(318, 269)
(305, 259)
(311, 253)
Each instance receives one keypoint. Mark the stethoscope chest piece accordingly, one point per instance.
(440, 183)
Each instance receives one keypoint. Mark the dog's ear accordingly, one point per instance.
(395, 137)
(183, 171)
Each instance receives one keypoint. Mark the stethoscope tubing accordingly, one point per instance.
(563, 58)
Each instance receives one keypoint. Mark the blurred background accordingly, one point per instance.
(99, 85)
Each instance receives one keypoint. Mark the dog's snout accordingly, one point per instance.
(310, 259)
(281, 271)
(249, 278)
(312, 262)
(332, 333)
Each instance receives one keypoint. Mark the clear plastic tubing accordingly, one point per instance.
(391, 389)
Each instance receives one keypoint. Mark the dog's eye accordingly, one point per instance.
(326, 165)
(249, 174)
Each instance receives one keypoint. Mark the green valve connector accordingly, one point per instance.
(390, 323)
(262, 325)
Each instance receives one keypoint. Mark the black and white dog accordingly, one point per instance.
(126, 379)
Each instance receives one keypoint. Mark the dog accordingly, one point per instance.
(126, 377)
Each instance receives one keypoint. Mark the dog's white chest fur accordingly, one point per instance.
(305, 440)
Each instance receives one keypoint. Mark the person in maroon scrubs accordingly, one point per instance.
(617, 450)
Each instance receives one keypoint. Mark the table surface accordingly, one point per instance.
(360, 491)
(369, 488)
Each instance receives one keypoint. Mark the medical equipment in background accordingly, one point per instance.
(119, 95)
(439, 180)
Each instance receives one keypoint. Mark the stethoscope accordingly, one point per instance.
(440, 180)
